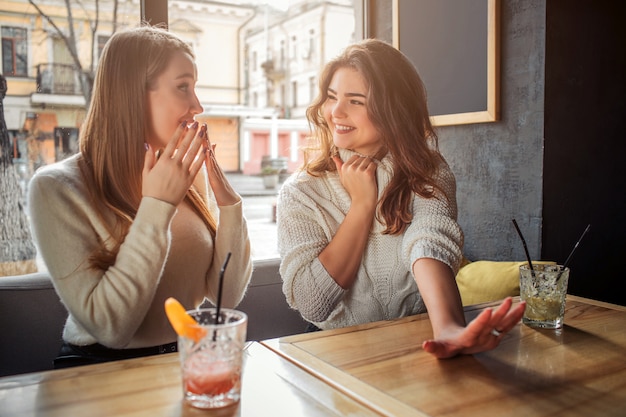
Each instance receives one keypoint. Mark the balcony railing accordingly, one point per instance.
(58, 79)
(274, 73)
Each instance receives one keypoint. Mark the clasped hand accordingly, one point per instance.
(358, 177)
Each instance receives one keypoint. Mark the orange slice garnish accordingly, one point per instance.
(183, 324)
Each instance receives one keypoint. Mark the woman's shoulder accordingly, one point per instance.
(303, 182)
(65, 173)
(66, 167)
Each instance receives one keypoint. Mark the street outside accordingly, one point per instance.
(261, 227)
(258, 208)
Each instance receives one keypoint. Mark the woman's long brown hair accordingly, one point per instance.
(397, 106)
(112, 139)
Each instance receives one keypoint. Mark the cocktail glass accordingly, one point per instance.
(212, 366)
(544, 289)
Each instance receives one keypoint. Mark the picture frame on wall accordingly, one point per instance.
(455, 46)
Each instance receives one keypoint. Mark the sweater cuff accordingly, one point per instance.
(234, 211)
(157, 212)
(326, 284)
(437, 253)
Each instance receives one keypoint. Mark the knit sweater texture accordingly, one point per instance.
(168, 252)
(309, 212)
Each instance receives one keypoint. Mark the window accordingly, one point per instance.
(283, 95)
(14, 52)
(102, 40)
(294, 47)
(312, 88)
(65, 142)
(232, 86)
(311, 47)
(294, 94)
(282, 53)
(283, 45)
(64, 77)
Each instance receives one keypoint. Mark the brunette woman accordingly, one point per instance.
(367, 230)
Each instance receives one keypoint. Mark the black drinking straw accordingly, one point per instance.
(219, 293)
(519, 232)
(569, 258)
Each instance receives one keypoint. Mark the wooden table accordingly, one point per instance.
(579, 370)
(151, 386)
(368, 370)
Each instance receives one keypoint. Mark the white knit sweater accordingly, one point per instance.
(309, 212)
(168, 252)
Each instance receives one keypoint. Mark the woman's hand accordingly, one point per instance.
(437, 285)
(169, 176)
(343, 254)
(358, 177)
(224, 193)
(483, 333)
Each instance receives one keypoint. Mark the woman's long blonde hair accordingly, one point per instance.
(397, 106)
(112, 139)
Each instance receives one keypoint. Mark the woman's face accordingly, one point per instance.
(172, 100)
(345, 111)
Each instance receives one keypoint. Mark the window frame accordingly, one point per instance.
(15, 43)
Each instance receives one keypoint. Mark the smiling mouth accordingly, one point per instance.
(343, 128)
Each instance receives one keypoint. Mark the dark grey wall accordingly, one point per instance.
(498, 166)
(563, 72)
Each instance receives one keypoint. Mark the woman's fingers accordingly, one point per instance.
(150, 159)
(501, 311)
(196, 145)
(170, 148)
(189, 142)
(224, 193)
(338, 164)
(196, 154)
(186, 145)
(169, 177)
(483, 333)
(506, 316)
(358, 177)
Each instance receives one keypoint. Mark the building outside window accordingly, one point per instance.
(294, 94)
(102, 40)
(311, 47)
(282, 53)
(251, 56)
(14, 51)
(312, 88)
(294, 48)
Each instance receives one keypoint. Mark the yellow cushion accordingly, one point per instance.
(483, 281)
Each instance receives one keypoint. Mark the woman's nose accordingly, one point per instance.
(196, 107)
(337, 109)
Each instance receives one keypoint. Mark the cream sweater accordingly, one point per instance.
(309, 212)
(168, 252)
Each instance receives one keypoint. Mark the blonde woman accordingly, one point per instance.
(367, 230)
(143, 212)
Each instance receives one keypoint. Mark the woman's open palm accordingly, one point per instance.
(169, 176)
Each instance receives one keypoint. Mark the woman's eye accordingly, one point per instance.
(331, 97)
(357, 102)
(184, 87)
